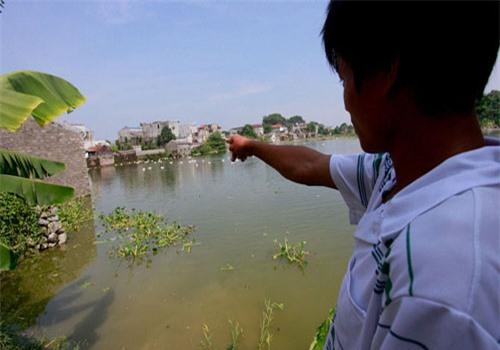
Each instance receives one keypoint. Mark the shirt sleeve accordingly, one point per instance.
(355, 176)
(416, 323)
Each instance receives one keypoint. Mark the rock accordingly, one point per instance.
(43, 240)
(54, 218)
(54, 226)
(37, 247)
(62, 238)
(43, 222)
(52, 245)
(44, 246)
(30, 242)
(61, 231)
(52, 210)
(44, 215)
(52, 237)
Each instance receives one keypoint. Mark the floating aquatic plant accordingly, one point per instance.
(141, 234)
(294, 253)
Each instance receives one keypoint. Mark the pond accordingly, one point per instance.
(238, 209)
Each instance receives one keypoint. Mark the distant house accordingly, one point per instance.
(100, 155)
(152, 130)
(131, 135)
(258, 129)
(178, 148)
(278, 128)
(234, 131)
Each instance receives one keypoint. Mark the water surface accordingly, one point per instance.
(238, 210)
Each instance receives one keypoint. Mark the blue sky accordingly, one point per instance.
(195, 61)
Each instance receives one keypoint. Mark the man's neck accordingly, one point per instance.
(418, 148)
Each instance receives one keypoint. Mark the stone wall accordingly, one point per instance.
(53, 142)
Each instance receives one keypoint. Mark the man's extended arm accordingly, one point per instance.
(296, 163)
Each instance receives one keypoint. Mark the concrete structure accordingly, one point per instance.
(258, 129)
(133, 135)
(54, 142)
(178, 148)
(152, 130)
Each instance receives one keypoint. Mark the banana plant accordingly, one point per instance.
(44, 97)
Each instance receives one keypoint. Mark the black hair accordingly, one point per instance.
(446, 50)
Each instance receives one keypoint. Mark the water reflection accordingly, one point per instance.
(25, 291)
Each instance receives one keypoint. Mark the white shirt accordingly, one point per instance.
(425, 270)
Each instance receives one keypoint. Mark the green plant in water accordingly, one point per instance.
(322, 332)
(141, 234)
(294, 253)
(74, 213)
(236, 333)
(265, 325)
(206, 342)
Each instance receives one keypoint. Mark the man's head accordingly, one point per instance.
(439, 54)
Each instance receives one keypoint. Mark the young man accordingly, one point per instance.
(425, 270)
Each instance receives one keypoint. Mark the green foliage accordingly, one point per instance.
(265, 324)
(214, 145)
(74, 213)
(274, 118)
(267, 128)
(236, 333)
(18, 174)
(248, 131)
(35, 192)
(488, 110)
(296, 119)
(322, 332)
(44, 96)
(165, 137)
(294, 253)
(343, 129)
(142, 234)
(18, 164)
(18, 224)
(206, 342)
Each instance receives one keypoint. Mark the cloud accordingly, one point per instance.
(242, 91)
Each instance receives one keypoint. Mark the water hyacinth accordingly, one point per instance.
(142, 234)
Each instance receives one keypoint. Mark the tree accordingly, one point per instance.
(296, 119)
(44, 97)
(488, 109)
(217, 142)
(273, 119)
(165, 137)
(312, 127)
(248, 131)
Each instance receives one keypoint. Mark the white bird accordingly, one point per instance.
(149, 168)
(143, 169)
(171, 163)
(162, 167)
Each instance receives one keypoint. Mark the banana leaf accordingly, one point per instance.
(7, 258)
(19, 164)
(35, 191)
(44, 96)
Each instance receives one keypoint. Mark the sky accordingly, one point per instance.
(199, 62)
